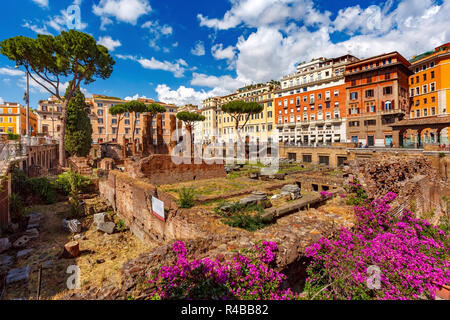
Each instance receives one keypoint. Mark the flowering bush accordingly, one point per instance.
(248, 276)
(326, 194)
(356, 195)
(411, 255)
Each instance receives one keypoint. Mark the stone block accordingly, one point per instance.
(21, 242)
(5, 260)
(32, 233)
(100, 218)
(107, 227)
(24, 253)
(19, 274)
(4, 244)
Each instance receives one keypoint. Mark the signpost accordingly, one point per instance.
(158, 209)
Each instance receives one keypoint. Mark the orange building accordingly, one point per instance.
(429, 88)
(377, 95)
(13, 119)
(310, 106)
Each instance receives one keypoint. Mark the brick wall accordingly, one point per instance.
(4, 202)
(160, 169)
(132, 200)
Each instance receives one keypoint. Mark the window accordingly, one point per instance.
(432, 87)
(370, 93)
(388, 105)
(433, 111)
(100, 112)
(432, 74)
(424, 89)
(100, 120)
(418, 113)
(114, 121)
(336, 93)
(387, 90)
(425, 112)
(100, 130)
(424, 77)
(269, 114)
(387, 76)
(353, 95)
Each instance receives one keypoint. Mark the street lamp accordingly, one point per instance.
(26, 98)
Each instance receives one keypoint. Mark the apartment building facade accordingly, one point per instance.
(105, 126)
(13, 119)
(49, 115)
(377, 94)
(208, 127)
(259, 127)
(429, 90)
(310, 106)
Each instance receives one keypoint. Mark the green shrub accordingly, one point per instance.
(16, 206)
(121, 226)
(45, 189)
(187, 197)
(245, 217)
(71, 182)
(41, 187)
(13, 136)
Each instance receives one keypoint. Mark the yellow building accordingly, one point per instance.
(13, 119)
(429, 88)
(259, 126)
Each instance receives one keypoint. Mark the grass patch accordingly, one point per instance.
(244, 217)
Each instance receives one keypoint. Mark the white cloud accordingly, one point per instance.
(42, 3)
(135, 97)
(36, 28)
(184, 95)
(220, 53)
(1, 100)
(109, 43)
(199, 49)
(58, 22)
(156, 32)
(177, 68)
(128, 11)
(11, 72)
(303, 33)
(225, 83)
(256, 13)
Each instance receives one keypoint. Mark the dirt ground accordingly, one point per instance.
(101, 259)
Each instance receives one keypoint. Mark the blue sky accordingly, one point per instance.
(185, 51)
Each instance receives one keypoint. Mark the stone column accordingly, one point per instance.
(124, 147)
(145, 135)
(159, 131)
(173, 133)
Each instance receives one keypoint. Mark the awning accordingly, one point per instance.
(320, 138)
(337, 139)
(312, 138)
(328, 138)
(286, 138)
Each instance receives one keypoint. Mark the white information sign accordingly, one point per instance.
(158, 208)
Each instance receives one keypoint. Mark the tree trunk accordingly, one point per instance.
(150, 134)
(118, 128)
(62, 135)
(191, 139)
(132, 135)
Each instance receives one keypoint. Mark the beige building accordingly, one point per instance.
(105, 126)
(49, 115)
(259, 126)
